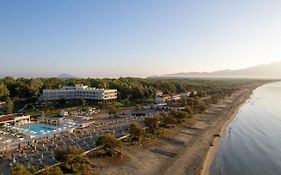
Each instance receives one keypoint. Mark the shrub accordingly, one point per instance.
(61, 154)
(136, 131)
(110, 144)
(20, 170)
(52, 171)
(152, 123)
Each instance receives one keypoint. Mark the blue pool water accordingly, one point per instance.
(38, 129)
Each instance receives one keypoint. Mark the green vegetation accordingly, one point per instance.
(52, 171)
(188, 110)
(10, 106)
(195, 106)
(20, 170)
(78, 164)
(165, 120)
(138, 107)
(33, 169)
(136, 131)
(110, 145)
(152, 124)
(4, 92)
(63, 153)
(132, 91)
(179, 116)
(73, 161)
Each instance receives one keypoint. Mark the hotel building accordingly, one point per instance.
(79, 91)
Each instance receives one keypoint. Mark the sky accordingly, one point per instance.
(113, 38)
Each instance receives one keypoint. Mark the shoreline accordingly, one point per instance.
(198, 147)
(217, 140)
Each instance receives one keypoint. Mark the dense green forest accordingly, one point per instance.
(129, 89)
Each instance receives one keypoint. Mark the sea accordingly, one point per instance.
(252, 141)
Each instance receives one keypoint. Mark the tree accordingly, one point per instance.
(173, 113)
(22, 89)
(20, 170)
(108, 141)
(137, 108)
(109, 144)
(9, 106)
(11, 85)
(200, 108)
(188, 110)
(167, 119)
(79, 164)
(136, 131)
(181, 115)
(61, 154)
(4, 92)
(35, 86)
(52, 171)
(33, 169)
(73, 160)
(152, 123)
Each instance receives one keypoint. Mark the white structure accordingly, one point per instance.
(158, 93)
(50, 120)
(185, 94)
(63, 113)
(162, 99)
(175, 97)
(15, 119)
(169, 98)
(79, 91)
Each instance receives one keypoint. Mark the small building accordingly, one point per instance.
(167, 98)
(162, 99)
(175, 97)
(185, 94)
(158, 93)
(14, 119)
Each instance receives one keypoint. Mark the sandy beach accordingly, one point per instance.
(184, 149)
(217, 141)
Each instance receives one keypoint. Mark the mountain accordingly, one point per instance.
(265, 71)
(65, 76)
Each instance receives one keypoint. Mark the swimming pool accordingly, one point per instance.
(38, 129)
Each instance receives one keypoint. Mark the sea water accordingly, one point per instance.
(252, 142)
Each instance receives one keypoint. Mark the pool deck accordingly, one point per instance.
(41, 152)
(13, 141)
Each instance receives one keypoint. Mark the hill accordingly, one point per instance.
(266, 71)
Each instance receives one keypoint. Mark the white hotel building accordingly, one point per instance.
(79, 91)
